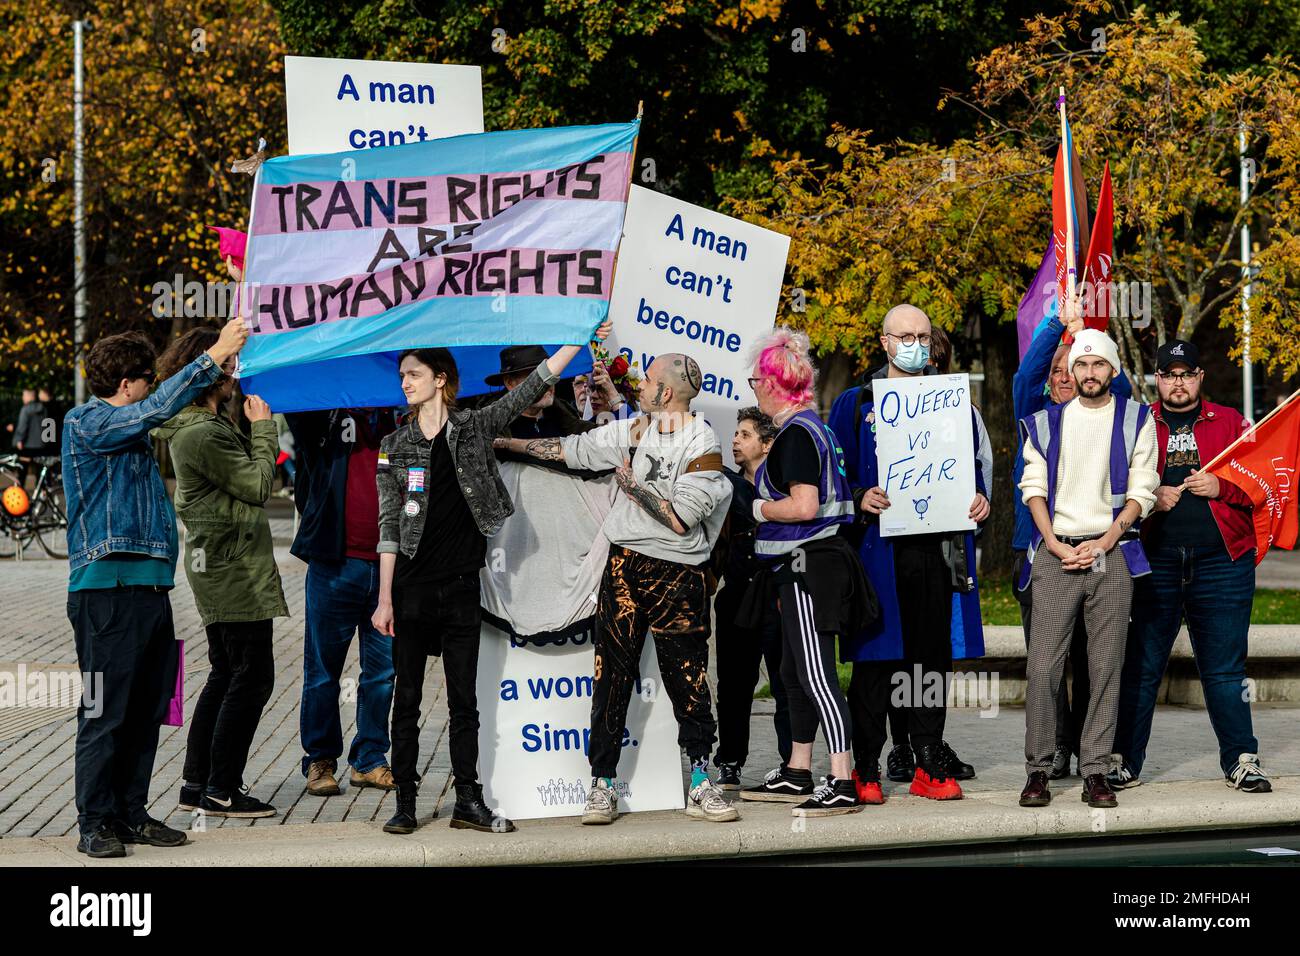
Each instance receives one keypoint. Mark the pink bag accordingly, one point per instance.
(176, 707)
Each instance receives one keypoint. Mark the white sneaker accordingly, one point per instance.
(1249, 776)
(706, 802)
(602, 804)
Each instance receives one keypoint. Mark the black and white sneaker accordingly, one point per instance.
(1120, 776)
(831, 798)
(236, 805)
(1248, 776)
(728, 776)
(782, 785)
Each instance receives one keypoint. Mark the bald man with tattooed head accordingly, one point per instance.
(661, 530)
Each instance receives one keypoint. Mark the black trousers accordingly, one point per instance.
(924, 586)
(639, 593)
(230, 705)
(433, 619)
(739, 651)
(126, 649)
(1071, 709)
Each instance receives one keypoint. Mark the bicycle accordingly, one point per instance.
(46, 518)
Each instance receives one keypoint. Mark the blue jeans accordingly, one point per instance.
(1215, 594)
(341, 598)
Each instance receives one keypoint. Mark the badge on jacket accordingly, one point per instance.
(412, 508)
(415, 479)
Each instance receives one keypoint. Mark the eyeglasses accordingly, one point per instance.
(907, 338)
(148, 375)
(753, 383)
(1178, 378)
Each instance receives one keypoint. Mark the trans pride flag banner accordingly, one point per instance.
(473, 242)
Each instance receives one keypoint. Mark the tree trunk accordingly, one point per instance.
(1001, 359)
(834, 375)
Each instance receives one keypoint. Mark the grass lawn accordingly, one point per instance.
(999, 606)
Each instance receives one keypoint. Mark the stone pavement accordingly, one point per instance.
(36, 749)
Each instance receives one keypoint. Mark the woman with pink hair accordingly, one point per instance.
(811, 576)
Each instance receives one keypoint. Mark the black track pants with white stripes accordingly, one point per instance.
(808, 672)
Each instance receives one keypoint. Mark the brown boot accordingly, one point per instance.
(381, 778)
(320, 779)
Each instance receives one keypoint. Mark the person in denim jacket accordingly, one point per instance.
(440, 498)
(122, 548)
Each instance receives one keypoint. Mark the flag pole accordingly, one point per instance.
(1067, 160)
(631, 168)
(1249, 433)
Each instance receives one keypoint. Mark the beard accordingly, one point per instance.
(1180, 404)
(1093, 388)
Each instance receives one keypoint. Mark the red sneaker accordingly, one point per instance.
(940, 788)
(868, 790)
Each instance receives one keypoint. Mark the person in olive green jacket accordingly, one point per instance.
(223, 479)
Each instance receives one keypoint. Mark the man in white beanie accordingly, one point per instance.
(1090, 477)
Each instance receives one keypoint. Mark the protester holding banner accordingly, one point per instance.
(440, 497)
(122, 550)
(546, 418)
(915, 577)
(1043, 379)
(900, 765)
(1200, 543)
(337, 454)
(1084, 554)
(810, 577)
(739, 649)
(661, 530)
(223, 479)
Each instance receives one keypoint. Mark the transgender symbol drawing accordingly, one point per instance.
(922, 505)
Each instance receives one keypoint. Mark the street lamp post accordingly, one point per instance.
(78, 221)
(1247, 373)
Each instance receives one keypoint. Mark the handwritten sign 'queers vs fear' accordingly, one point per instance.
(925, 452)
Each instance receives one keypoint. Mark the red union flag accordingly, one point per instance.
(1097, 267)
(1263, 464)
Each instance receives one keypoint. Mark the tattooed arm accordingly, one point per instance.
(660, 509)
(546, 449)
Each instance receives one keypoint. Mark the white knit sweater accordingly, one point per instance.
(1083, 473)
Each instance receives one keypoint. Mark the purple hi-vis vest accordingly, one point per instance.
(775, 538)
(1043, 431)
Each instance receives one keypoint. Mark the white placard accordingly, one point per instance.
(695, 281)
(535, 719)
(925, 453)
(336, 105)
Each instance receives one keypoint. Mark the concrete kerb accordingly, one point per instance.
(1267, 642)
(904, 822)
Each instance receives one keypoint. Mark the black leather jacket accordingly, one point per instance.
(469, 438)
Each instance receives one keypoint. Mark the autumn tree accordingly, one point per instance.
(1143, 97)
(174, 92)
(959, 229)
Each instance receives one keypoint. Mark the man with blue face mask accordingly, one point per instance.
(926, 585)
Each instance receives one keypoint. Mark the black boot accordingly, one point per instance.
(403, 821)
(471, 813)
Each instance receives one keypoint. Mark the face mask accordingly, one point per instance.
(912, 358)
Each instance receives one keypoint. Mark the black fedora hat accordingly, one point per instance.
(517, 358)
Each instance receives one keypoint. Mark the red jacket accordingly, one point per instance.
(1215, 428)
